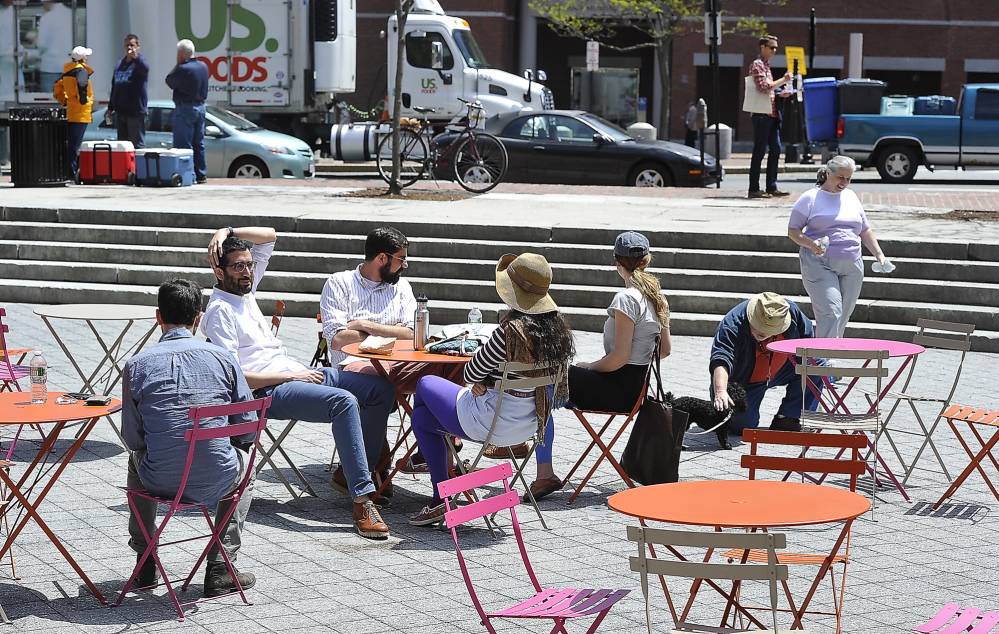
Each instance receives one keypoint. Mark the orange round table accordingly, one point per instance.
(403, 352)
(740, 503)
(30, 489)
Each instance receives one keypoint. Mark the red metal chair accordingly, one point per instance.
(975, 418)
(193, 436)
(547, 603)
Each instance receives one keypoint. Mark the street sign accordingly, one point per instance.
(592, 56)
(712, 29)
(795, 53)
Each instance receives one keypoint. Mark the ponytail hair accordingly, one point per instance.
(834, 165)
(647, 284)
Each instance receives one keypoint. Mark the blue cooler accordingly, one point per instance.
(820, 109)
(165, 168)
(935, 104)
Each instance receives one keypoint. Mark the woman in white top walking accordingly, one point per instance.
(832, 272)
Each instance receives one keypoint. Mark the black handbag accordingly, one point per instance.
(652, 455)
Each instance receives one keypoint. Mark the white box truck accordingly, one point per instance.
(282, 63)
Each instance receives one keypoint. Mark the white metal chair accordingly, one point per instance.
(838, 417)
(951, 342)
(512, 380)
(769, 571)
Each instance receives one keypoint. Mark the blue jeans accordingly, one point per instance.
(189, 133)
(73, 141)
(790, 406)
(131, 127)
(834, 288)
(356, 404)
(766, 138)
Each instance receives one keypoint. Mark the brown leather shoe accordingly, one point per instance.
(500, 453)
(758, 194)
(368, 521)
(778, 192)
(339, 483)
(546, 486)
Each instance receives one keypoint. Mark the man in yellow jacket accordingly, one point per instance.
(73, 91)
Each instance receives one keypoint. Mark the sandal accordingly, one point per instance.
(408, 466)
(545, 487)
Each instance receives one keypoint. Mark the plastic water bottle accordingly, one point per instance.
(887, 267)
(421, 323)
(824, 244)
(475, 315)
(39, 372)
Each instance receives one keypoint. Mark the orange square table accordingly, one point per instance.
(27, 493)
(745, 504)
(403, 352)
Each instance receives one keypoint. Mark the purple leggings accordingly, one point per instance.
(435, 412)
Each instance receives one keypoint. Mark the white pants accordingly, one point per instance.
(834, 287)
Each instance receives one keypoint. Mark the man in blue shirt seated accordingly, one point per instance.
(189, 81)
(159, 387)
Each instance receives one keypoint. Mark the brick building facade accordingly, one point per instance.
(920, 47)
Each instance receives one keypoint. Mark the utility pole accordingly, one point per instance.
(712, 36)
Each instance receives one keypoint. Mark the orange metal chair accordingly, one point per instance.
(852, 466)
(597, 441)
(277, 317)
(973, 417)
(192, 437)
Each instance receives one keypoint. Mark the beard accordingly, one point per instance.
(387, 275)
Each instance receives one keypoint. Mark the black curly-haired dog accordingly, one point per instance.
(704, 415)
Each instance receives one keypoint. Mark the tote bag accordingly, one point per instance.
(756, 101)
(652, 455)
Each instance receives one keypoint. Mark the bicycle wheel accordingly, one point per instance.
(480, 163)
(412, 156)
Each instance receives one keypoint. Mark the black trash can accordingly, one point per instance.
(860, 96)
(38, 147)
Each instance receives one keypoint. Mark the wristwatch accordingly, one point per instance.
(231, 232)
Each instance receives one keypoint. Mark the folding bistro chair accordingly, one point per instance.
(597, 441)
(952, 342)
(5, 527)
(770, 570)
(839, 417)
(321, 358)
(512, 381)
(852, 466)
(10, 373)
(547, 603)
(973, 417)
(277, 317)
(965, 623)
(192, 437)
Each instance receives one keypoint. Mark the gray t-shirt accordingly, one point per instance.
(632, 303)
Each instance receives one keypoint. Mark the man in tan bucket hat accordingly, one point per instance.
(739, 354)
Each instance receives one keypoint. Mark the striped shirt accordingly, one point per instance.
(484, 365)
(348, 296)
(764, 79)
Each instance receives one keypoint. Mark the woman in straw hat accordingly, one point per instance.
(636, 317)
(532, 332)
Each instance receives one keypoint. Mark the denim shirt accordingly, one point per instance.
(160, 385)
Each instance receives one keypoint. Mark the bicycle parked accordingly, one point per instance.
(475, 159)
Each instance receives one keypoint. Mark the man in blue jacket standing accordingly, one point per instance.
(739, 354)
(129, 94)
(189, 80)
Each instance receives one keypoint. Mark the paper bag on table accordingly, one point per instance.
(377, 345)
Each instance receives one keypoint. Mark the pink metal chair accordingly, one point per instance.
(10, 373)
(963, 624)
(193, 436)
(547, 603)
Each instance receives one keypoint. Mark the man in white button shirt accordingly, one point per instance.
(357, 405)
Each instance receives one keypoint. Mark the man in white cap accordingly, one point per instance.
(73, 91)
(739, 354)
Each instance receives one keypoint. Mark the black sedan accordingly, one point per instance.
(573, 147)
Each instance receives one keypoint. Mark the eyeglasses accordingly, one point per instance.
(772, 48)
(403, 260)
(241, 267)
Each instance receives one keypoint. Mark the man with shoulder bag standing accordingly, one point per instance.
(761, 102)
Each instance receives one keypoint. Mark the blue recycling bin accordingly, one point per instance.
(820, 109)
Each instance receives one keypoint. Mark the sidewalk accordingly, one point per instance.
(314, 573)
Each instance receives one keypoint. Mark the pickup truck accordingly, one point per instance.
(898, 145)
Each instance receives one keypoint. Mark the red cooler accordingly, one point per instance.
(107, 162)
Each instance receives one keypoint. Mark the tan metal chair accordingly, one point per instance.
(702, 570)
(951, 343)
(512, 379)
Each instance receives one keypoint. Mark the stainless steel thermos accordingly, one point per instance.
(421, 323)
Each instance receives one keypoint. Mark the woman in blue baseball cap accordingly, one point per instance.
(636, 317)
